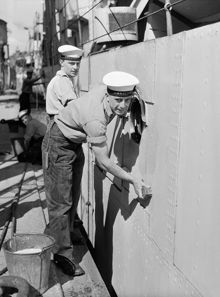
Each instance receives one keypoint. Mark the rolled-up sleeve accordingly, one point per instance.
(64, 91)
(96, 132)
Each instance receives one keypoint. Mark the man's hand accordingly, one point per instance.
(102, 158)
(141, 189)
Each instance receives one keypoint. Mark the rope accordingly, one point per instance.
(62, 7)
(103, 27)
(140, 19)
(78, 18)
(118, 23)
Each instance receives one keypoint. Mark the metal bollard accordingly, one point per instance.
(14, 282)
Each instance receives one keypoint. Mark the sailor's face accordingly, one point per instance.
(119, 105)
(71, 68)
(24, 119)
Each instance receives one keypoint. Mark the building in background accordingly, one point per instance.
(4, 57)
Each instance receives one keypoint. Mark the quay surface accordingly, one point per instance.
(32, 217)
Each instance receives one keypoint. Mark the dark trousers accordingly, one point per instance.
(34, 154)
(62, 178)
(24, 100)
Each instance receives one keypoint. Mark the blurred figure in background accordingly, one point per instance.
(33, 136)
(27, 90)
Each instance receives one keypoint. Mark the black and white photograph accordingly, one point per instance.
(109, 148)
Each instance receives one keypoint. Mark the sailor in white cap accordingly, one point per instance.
(120, 86)
(82, 120)
(22, 113)
(64, 86)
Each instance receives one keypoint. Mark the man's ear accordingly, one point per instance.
(107, 96)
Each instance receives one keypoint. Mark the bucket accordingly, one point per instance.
(28, 256)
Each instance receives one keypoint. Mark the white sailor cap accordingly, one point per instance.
(120, 83)
(22, 113)
(70, 52)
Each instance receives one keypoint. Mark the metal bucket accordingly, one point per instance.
(33, 265)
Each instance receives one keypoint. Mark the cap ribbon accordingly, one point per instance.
(120, 93)
(75, 59)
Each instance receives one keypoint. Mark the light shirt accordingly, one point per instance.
(86, 119)
(60, 91)
(34, 129)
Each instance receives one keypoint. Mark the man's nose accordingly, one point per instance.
(123, 104)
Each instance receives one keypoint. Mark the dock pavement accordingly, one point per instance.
(32, 217)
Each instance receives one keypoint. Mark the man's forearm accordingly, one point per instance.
(117, 171)
(106, 164)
